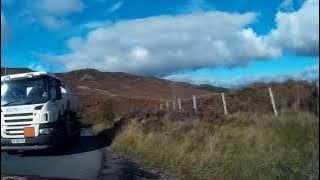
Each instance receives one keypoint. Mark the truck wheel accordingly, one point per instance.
(67, 124)
(72, 129)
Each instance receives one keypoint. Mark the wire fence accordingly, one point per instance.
(273, 99)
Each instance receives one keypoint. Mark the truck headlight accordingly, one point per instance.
(46, 131)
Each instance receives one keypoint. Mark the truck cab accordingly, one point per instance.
(37, 112)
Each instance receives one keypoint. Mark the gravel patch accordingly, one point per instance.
(120, 167)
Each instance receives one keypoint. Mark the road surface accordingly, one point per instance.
(91, 158)
(82, 161)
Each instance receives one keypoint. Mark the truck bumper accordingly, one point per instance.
(25, 148)
(38, 142)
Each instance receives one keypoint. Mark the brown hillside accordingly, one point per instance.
(127, 85)
(129, 93)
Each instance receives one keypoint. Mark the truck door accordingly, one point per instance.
(56, 97)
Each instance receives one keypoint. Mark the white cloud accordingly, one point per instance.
(308, 74)
(115, 6)
(286, 5)
(4, 28)
(54, 14)
(139, 53)
(93, 25)
(60, 7)
(298, 32)
(165, 44)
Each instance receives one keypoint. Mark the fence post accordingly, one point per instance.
(194, 100)
(272, 102)
(179, 103)
(224, 104)
(167, 105)
(161, 107)
(174, 105)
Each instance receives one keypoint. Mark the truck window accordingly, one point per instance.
(24, 91)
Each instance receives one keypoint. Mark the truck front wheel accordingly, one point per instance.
(72, 129)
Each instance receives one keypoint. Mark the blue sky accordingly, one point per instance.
(225, 43)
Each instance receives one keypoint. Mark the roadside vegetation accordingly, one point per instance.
(102, 118)
(239, 146)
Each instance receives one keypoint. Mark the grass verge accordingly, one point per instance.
(238, 147)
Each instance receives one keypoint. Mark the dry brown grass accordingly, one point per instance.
(240, 146)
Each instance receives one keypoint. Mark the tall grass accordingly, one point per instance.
(238, 147)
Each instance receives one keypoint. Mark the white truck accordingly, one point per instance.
(37, 112)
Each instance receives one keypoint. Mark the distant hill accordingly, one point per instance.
(123, 84)
(130, 92)
(126, 90)
(209, 87)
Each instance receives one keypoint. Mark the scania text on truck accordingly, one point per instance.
(37, 112)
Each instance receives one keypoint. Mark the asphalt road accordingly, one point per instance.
(91, 158)
(82, 161)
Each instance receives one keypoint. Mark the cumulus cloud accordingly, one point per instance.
(286, 5)
(165, 44)
(93, 25)
(308, 74)
(297, 32)
(60, 7)
(53, 14)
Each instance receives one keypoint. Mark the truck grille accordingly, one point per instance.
(13, 124)
(15, 115)
(18, 120)
(13, 132)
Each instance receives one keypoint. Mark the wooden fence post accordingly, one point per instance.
(161, 107)
(179, 103)
(224, 104)
(272, 102)
(194, 100)
(167, 105)
(174, 105)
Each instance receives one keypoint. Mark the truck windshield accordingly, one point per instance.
(24, 91)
